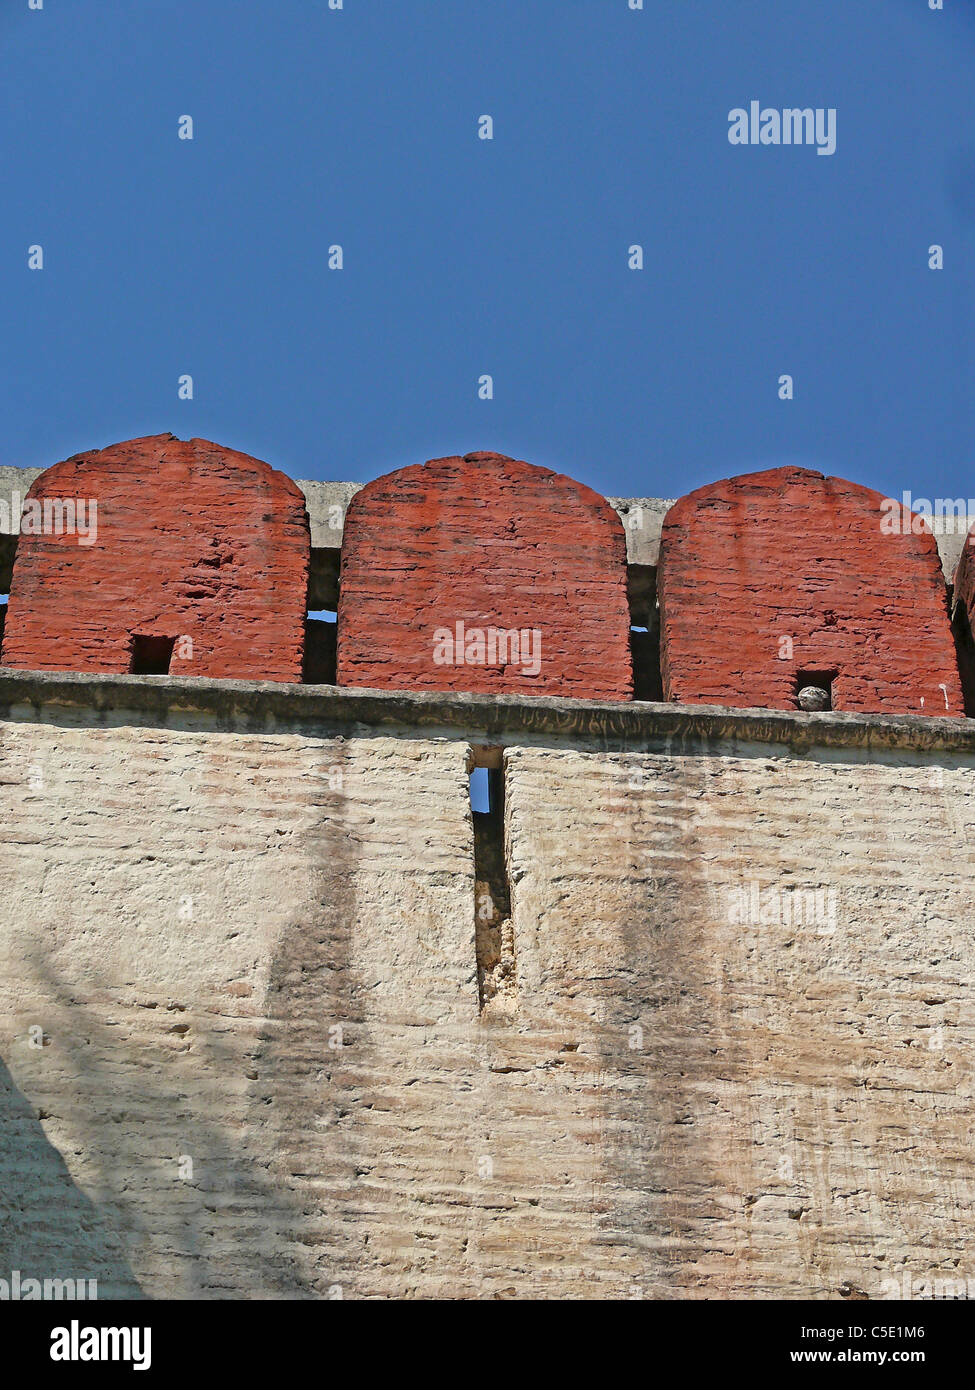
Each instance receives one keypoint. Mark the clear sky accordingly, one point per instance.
(508, 257)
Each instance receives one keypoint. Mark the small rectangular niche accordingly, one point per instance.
(816, 680)
(494, 942)
(151, 655)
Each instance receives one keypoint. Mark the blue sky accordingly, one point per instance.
(463, 257)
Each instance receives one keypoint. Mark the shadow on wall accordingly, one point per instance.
(312, 1054)
(965, 648)
(319, 660)
(251, 1218)
(666, 1034)
(178, 1231)
(42, 1209)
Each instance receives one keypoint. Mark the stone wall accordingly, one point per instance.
(736, 1062)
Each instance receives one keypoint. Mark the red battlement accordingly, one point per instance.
(199, 550)
(438, 556)
(769, 577)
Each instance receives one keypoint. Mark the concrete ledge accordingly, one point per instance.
(270, 706)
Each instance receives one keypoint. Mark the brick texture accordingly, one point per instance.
(193, 541)
(257, 952)
(492, 543)
(753, 563)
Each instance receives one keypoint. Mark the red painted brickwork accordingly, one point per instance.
(751, 562)
(193, 541)
(491, 543)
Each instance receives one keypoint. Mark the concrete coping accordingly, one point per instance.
(264, 707)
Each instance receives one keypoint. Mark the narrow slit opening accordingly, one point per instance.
(645, 656)
(493, 929)
(319, 663)
(961, 627)
(644, 609)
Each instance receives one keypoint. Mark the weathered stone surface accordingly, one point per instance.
(327, 504)
(483, 544)
(771, 575)
(951, 540)
(194, 542)
(14, 486)
(255, 951)
(642, 519)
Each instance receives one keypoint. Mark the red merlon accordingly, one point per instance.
(495, 545)
(196, 544)
(768, 575)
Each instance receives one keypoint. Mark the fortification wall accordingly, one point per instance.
(484, 573)
(686, 1012)
(243, 917)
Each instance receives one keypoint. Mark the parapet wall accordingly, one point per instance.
(245, 1050)
(483, 573)
(687, 1011)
